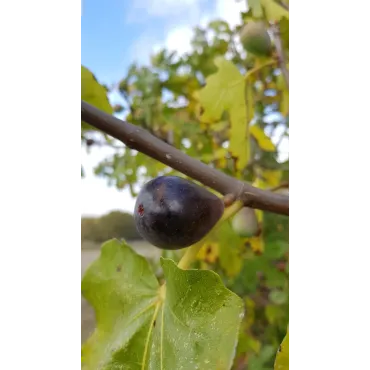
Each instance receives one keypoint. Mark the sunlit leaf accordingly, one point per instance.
(209, 252)
(224, 91)
(272, 177)
(220, 126)
(264, 142)
(191, 322)
(219, 153)
(282, 356)
(274, 12)
(93, 92)
(259, 183)
(256, 7)
(257, 244)
(284, 105)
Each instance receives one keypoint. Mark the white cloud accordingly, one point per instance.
(178, 38)
(179, 18)
(143, 9)
(229, 10)
(143, 48)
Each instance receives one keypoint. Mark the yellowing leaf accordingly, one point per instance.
(262, 139)
(272, 177)
(219, 153)
(255, 5)
(259, 183)
(282, 356)
(274, 12)
(93, 92)
(224, 91)
(250, 113)
(284, 93)
(259, 215)
(257, 244)
(208, 253)
(285, 103)
(220, 126)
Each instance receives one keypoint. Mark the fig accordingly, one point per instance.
(174, 213)
(255, 39)
(245, 223)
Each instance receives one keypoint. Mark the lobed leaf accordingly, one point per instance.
(190, 323)
(225, 91)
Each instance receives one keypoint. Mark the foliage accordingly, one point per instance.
(93, 93)
(115, 224)
(190, 324)
(223, 106)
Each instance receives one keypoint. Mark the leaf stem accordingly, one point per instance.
(259, 67)
(193, 250)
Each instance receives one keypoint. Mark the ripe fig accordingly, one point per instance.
(255, 39)
(245, 223)
(174, 213)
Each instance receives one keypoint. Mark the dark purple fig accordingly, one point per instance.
(174, 213)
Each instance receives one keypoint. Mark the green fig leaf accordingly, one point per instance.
(191, 322)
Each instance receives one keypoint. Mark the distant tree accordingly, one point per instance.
(115, 224)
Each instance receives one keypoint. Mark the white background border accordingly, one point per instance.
(40, 181)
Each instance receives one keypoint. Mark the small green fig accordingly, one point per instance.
(245, 222)
(255, 39)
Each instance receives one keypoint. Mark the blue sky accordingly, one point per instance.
(116, 33)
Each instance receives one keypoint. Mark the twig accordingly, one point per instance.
(141, 140)
(280, 52)
(258, 68)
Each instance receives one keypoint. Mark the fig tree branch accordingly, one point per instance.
(141, 140)
(280, 52)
